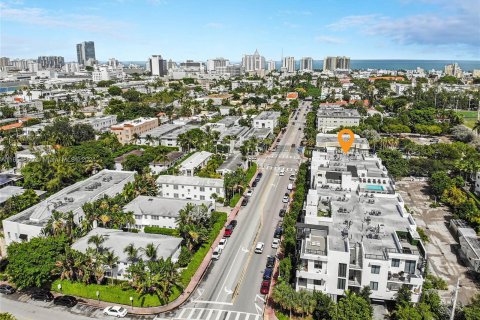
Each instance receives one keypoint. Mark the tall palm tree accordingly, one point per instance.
(97, 240)
(111, 260)
(135, 138)
(132, 253)
(150, 251)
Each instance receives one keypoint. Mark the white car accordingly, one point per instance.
(285, 199)
(275, 243)
(115, 311)
(216, 253)
(292, 177)
(249, 193)
(222, 243)
(259, 247)
(282, 172)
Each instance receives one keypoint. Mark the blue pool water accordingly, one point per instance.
(375, 188)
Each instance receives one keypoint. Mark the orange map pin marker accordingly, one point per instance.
(346, 145)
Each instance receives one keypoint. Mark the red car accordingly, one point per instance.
(265, 288)
(228, 231)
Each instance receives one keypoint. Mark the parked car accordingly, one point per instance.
(244, 201)
(282, 212)
(115, 311)
(265, 287)
(249, 193)
(292, 177)
(278, 233)
(270, 262)
(254, 183)
(267, 274)
(290, 187)
(42, 295)
(285, 199)
(233, 223)
(222, 243)
(282, 172)
(259, 247)
(216, 253)
(6, 289)
(67, 301)
(275, 243)
(293, 145)
(228, 231)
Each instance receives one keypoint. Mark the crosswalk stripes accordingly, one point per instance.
(213, 314)
(278, 168)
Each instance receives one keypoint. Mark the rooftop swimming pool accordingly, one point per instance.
(374, 187)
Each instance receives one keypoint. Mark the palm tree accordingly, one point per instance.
(111, 260)
(131, 252)
(135, 138)
(149, 139)
(55, 224)
(150, 251)
(97, 241)
(92, 166)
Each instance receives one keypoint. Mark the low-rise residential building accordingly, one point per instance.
(172, 157)
(356, 231)
(331, 118)
(329, 142)
(100, 123)
(9, 179)
(160, 212)
(118, 161)
(130, 131)
(28, 155)
(29, 223)
(170, 139)
(266, 119)
(194, 163)
(231, 164)
(191, 188)
(154, 137)
(117, 240)
(11, 191)
(469, 243)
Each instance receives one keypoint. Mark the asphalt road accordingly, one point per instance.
(231, 286)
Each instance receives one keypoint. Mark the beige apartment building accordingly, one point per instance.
(126, 131)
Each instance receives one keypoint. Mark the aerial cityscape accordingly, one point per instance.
(240, 160)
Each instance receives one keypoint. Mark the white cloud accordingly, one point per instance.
(43, 17)
(351, 21)
(291, 25)
(329, 39)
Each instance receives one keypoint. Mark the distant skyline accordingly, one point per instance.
(132, 30)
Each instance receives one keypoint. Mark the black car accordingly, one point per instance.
(244, 202)
(42, 296)
(278, 233)
(267, 274)
(67, 301)
(282, 212)
(233, 223)
(270, 262)
(254, 183)
(6, 289)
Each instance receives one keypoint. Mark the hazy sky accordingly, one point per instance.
(196, 29)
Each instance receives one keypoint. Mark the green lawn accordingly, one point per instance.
(234, 200)
(469, 117)
(251, 172)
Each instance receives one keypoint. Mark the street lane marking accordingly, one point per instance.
(228, 274)
(181, 313)
(213, 302)
(228, 291)
(259, 297)
(259, 309)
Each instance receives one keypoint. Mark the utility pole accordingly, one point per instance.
(454, 302)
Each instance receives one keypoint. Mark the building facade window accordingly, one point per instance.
(374, 285)
(410, 266)
(395, 262)
(341, 284)
(342, 269)
(375, 269)
(317, 264)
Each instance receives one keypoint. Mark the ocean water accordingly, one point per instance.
(466, 65)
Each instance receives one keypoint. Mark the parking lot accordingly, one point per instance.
(441, 248)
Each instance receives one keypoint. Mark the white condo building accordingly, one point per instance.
(306, 64)
(266, 119)
(356, 230)
(253, 63)
(330, 118)
(288, 64)
(271, 65)
(191, 188)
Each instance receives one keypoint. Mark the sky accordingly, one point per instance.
(132, 30)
